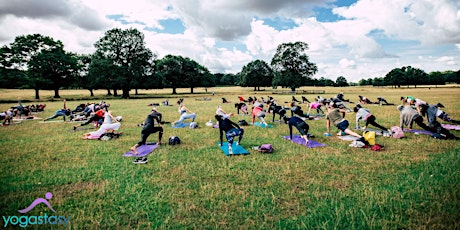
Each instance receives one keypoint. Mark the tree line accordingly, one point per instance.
(121, 61)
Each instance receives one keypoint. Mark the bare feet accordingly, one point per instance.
(134, 150)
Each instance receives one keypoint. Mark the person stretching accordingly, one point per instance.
(231, 130)
(258, 111)
(149, 128)
(336, 116)
(301, 125)
(62, 112)
(365, 115)
(110, 123)
(184, 114)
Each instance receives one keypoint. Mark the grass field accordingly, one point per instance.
(413, 184)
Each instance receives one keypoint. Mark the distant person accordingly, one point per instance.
(258, 112)
(60, 113)
(365, 115)
(185, 113)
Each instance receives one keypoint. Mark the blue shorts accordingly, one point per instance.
(343, 125)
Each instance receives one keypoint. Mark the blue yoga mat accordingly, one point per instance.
(237, 149)
(299, 140)
(143, 150)
(181, 125)
(262, 125)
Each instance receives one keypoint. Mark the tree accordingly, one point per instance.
(341, 81)
(292, 64)
(256, 74)
(25, 49)
(57, 67)
(127, 54)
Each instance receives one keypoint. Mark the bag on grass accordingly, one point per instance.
(243, 123)
(174, 140)
(266, 148)
(193, 125)
(108, 136)
(369, 136)
(397, 132)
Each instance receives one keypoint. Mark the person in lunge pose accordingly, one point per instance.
(231, 130)
(149, 128)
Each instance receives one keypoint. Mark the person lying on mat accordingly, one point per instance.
(149, 128)
(408, 115)
(300, 124)
(110, 124)
(382, 100)
(365, 115)
(62, 112)
(185, 113)
(231, 130)
(336, 116)
(257, 111)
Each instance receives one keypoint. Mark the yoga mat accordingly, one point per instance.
(143, 150)
(451, 127)
(418, 131)
(348, 138)
(299, 140)
(237, 149)
(181, 125)
(377, 131)
(262, 125)
(55, 121)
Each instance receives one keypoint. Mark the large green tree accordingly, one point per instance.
(127, 55)
(341, 81)
(292, 64)
(38, 49)
(256, 74)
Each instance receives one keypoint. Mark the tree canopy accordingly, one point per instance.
(291, 65)
(256, 74)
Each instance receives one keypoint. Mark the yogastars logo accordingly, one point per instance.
(24, 221)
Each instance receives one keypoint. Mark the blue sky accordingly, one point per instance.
(354, 39)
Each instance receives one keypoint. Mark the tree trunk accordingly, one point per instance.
(115, 93)
(56, 93)
(109, 93)
(125, 93)
(174, 90)
(91, 92)
(191, 89)
(135, 92)
(37, 95)
(255, 88)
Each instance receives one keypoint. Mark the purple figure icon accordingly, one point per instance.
(48, 196)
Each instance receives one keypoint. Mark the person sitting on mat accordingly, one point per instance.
(336, 116)
(257, 111)
(231, 130)
(300, 124)
(62, 112)
(110, 124)
(149, 128)
(185, 113)
(365, 115)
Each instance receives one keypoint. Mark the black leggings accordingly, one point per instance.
(91, 119)
(147, 130)
(371, 120)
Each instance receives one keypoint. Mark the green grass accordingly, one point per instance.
(412, 184)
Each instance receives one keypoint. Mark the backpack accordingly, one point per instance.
(266, 148)
(397, 132)
(243, 123)
(174, 140)
(193, 125)
(369, 136)
(108, 136)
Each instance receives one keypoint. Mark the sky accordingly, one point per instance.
(356, 39)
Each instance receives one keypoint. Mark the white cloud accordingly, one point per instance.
(373, 37)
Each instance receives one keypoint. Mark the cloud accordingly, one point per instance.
(345, 63)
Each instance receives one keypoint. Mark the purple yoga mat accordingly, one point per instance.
(299, 140)
(418, 131)
(143, 150)
(451, 127)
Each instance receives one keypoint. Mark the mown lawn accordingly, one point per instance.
(412, 184)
